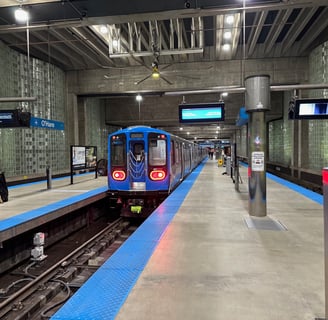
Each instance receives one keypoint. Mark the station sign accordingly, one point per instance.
(46, 124)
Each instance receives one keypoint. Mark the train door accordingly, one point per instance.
(158, 162)
(137, 165)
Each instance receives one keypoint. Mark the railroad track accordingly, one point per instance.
(38, 293)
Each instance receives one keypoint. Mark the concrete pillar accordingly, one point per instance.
(257, 101)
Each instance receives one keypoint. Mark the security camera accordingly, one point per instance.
(187, 4)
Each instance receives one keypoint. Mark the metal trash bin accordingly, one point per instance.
(228, 166)
(3, 187)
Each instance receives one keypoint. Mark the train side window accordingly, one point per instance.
(177, 152)
(157, 152)
(173, 159)
(118, 150)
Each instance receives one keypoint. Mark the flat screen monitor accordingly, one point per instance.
(9, 118)
(309, 109)
(201, 112)
(14, 118)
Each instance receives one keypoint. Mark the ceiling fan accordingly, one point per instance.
(154, 72)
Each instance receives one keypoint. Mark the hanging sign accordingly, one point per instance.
(46, 124)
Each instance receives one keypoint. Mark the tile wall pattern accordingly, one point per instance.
(25, 152)
(318, 129)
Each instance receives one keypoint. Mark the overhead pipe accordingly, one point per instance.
(17, 99)
(163, 53)
(243, 89)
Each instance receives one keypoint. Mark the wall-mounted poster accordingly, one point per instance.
(91, 157)
(78, 157)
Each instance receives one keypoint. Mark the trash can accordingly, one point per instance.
(228, 166)
(3, 187)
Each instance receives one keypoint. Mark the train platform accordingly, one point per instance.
(201, 256)
(33, 204)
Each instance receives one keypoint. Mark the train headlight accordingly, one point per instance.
(119, 175)
(157, 175)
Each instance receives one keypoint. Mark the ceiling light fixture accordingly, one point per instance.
(227, 35)
(115, 43)
(226, 47)
(103, 29)
(155, 72)
(21, 15)
(230, 19)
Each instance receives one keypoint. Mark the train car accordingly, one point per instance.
(145, 165)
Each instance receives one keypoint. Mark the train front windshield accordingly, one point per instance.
(118, 150)
(157, 150)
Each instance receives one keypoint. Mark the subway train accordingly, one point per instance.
(145, 165)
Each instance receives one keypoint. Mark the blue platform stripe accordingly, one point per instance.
(102, 296)
(22, 185)
(35, 213)
(305, 192)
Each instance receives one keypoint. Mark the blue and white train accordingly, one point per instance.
(145, 165)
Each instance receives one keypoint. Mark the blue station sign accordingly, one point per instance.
(46, 124)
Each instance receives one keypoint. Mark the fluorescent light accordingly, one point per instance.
(21, 15)
(103, 29)
(115, 43)
(227, 35)
(226, 47)
(230, 19)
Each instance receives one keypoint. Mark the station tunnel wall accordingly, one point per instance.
(27, 152)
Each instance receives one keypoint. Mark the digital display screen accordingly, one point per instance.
(136, 135)
(203, 112)
(14, 119)
(309, 109)
(9, 119)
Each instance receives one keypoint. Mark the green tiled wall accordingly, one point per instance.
(29, 151)
(97, 131)
(318, 129)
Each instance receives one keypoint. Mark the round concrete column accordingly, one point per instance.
(257, 101)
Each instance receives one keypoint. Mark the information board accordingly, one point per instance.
(258, 161)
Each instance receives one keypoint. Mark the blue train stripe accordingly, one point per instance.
(112, 283)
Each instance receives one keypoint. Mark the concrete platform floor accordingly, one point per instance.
(34, 195)
(211, 265)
